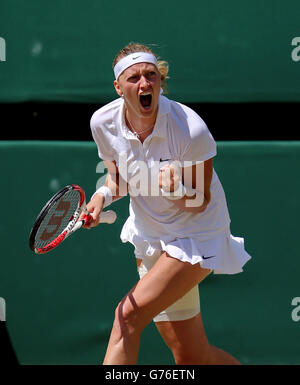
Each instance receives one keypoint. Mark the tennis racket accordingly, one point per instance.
(59, 219)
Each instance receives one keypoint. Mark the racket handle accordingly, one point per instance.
(108, 216)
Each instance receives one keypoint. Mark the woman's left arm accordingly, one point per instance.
(197, 177)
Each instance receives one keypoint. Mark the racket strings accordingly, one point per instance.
(64, 212)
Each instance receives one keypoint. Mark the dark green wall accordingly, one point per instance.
(60, 305)
(231, 51)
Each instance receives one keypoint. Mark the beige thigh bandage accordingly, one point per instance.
(186, 307)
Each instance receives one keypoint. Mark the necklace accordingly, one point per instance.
(135, 133)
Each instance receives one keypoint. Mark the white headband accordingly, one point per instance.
(134, 58)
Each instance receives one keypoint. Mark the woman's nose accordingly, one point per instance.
(144, 81)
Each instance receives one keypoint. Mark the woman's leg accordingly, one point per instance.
(167, 281)
(189, 345)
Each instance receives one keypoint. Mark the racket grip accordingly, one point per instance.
(87, 219)
(108, 216)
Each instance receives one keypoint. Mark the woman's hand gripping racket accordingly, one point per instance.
(59, 219)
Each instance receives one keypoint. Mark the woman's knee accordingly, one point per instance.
(129, 318)
(187, 340)
(189, 357)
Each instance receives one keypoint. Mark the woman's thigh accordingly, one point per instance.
(167, 281)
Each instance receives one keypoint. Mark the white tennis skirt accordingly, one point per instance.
(223, 253)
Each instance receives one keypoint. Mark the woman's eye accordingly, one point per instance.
(151, 75)
(133, 78)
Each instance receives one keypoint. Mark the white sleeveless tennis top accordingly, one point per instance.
(154, 221)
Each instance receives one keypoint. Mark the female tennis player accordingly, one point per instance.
(181, 230)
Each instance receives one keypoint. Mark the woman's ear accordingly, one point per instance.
(117, 88)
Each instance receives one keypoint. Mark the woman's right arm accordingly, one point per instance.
(115, 183)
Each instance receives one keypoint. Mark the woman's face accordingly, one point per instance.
(140, 86)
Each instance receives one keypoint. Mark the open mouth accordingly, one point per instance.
(145, 100)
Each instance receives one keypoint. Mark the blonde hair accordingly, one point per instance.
(132, 47)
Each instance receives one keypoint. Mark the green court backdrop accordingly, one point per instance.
(218, 51)
(60, 306)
